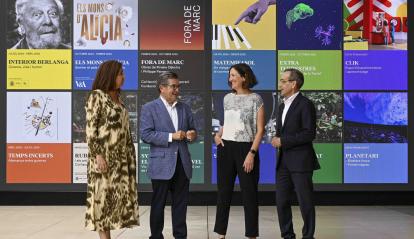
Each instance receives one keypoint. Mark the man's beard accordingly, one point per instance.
(47, 41)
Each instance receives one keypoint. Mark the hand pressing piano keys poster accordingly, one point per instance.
(242, 33)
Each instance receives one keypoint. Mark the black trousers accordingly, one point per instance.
(179, 187)
(230, 159)
(301, 183)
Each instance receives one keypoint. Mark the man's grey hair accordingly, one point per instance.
(164, 77)
(20, 5)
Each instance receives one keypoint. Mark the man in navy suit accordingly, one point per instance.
(167, 125)
(296, 129)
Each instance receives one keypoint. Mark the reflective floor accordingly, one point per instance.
(350, 222)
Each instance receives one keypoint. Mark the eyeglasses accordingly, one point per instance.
(173, 86)
(281, 81)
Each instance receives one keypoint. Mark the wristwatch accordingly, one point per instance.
(253, 151)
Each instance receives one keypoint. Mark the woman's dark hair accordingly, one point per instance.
(245, 71)
(106, 75)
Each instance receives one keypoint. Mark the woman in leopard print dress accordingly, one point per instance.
(112, 201)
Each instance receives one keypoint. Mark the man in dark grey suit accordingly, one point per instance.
(167, 125)
(296, 129)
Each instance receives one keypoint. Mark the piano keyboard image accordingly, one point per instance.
(232, 38)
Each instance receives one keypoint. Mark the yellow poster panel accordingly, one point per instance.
(39, 69)
(232, 14)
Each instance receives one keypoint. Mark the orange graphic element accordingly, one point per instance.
(38, 163)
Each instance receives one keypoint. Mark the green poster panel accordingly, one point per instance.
(144, 150)
(322, 69)
(330, 159)
(197, 156)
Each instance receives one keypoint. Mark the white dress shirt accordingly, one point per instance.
(287, 101)
(172, 111)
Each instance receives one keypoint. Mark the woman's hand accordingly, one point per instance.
(101, 164)
(248, 163)
(218, 140)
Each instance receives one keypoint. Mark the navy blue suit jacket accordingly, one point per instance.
(155, 126)
(297, 134)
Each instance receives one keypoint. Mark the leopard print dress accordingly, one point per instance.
(112, 200)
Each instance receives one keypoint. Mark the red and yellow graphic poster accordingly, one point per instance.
(38, 163)
(172, 25)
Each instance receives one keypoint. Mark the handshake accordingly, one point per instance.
(182, 135)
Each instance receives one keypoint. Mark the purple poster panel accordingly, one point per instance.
(375, 117)
(375, 70)
(86, 64)
(376, 163)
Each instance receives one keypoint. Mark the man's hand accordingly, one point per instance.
(191, 135)
(179, 135)
(101, 164)
(276, 142)
(254, 12)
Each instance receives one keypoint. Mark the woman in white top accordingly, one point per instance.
(237, 149)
